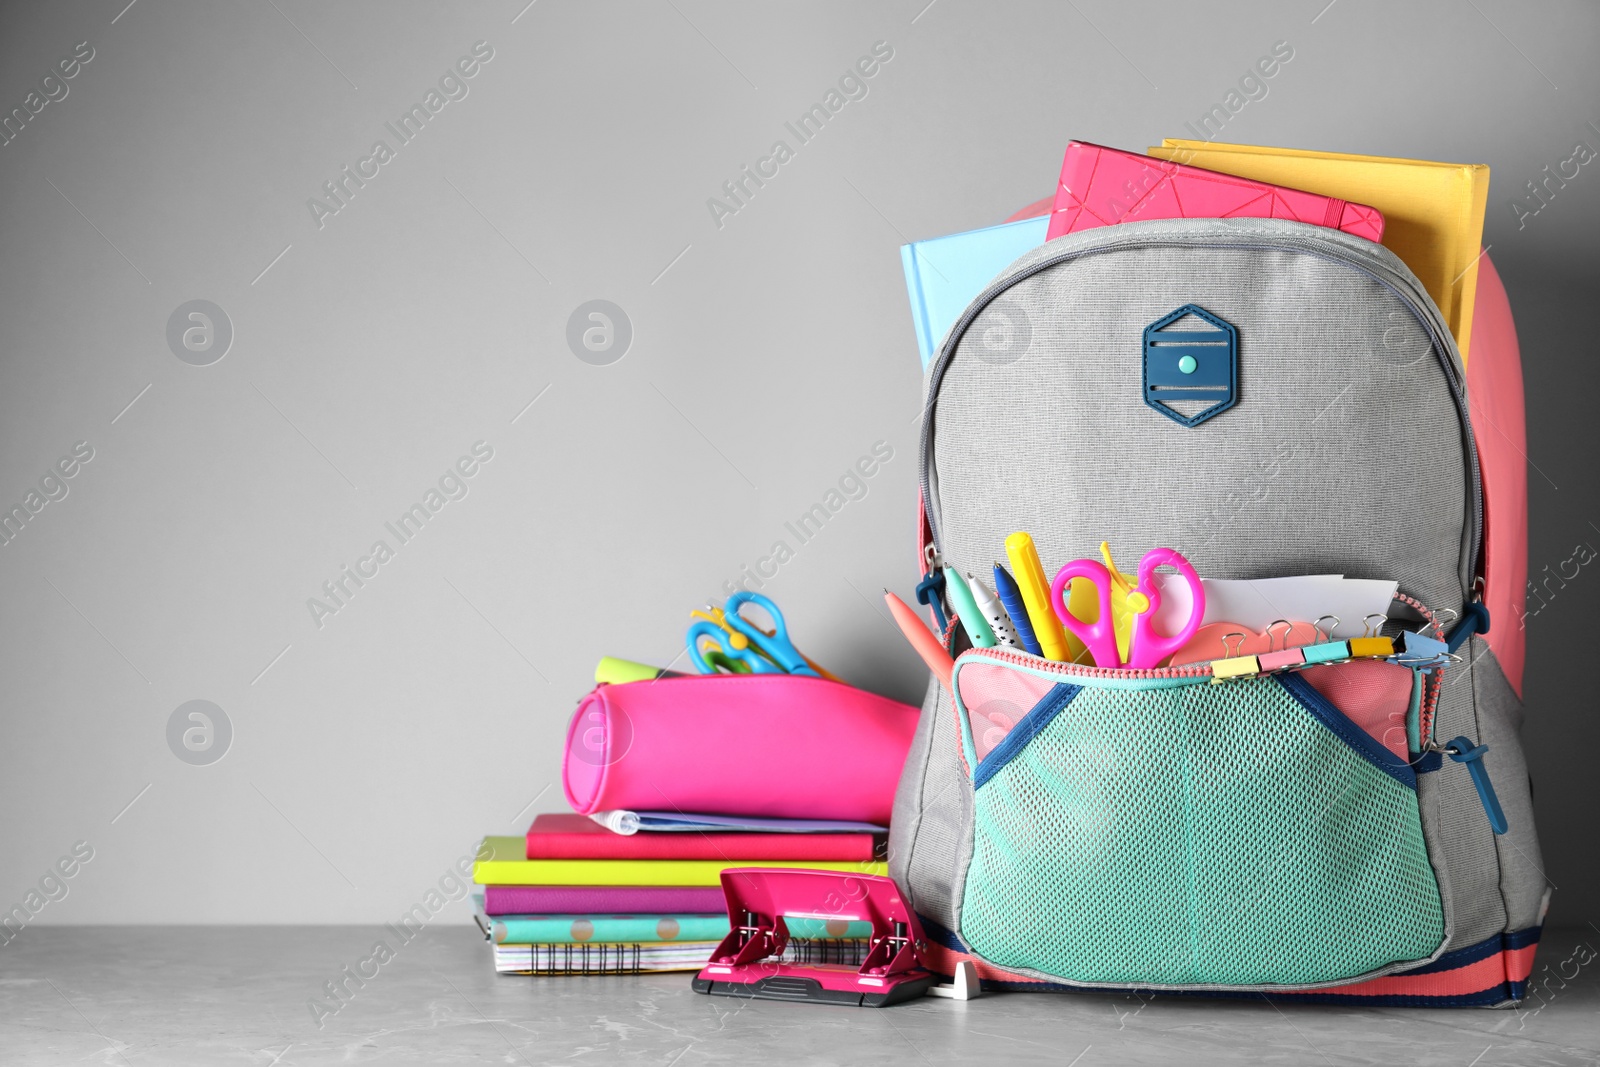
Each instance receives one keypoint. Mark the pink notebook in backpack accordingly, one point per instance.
(1102, 186)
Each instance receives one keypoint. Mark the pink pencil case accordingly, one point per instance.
(765, 745)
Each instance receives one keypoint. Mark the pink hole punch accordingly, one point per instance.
(759, 898)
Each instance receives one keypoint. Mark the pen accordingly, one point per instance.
(1004, 634)
(1011, 599)
(927, 646)
(955, 587)
(1053, 640)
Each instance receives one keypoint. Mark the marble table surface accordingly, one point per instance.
(243, 995)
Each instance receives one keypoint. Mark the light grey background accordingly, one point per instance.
(767, 356)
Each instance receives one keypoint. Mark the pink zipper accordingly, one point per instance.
(1078, 670)
(1432, 682)
(1197, 670)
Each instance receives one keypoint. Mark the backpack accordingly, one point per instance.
(1356, 832)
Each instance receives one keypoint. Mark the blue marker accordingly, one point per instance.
(1011, 600)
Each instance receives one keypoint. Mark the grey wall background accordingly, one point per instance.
(767, 355)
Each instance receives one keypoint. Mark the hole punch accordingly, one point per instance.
(758, 899)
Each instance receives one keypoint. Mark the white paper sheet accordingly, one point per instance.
(1259, 602)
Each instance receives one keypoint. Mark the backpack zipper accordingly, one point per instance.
(1079, 670)
(1409, 293)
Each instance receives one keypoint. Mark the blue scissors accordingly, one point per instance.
(741, 641)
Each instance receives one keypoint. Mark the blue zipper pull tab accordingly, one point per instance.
(930, 590)
(1474, 620)
(1465, 751)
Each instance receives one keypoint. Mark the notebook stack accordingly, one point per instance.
(574, 897)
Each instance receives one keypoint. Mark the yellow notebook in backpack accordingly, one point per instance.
(1433, 212)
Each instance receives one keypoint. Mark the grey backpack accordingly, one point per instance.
(1066, 827)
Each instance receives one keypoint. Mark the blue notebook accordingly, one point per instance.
(943, 274)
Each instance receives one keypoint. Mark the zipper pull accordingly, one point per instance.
(1465, 751)
(1474, 620)
(930, 590)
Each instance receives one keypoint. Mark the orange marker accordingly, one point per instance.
(922, 639)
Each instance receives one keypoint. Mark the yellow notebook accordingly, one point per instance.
(1433, 212)
(502, 861)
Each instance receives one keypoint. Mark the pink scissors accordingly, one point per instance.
(1147, 648)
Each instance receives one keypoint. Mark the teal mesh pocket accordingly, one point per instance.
(1236, 834)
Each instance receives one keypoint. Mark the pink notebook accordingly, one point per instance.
(1102, 186)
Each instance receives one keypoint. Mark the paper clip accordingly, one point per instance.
(1279, 658)
(1372, 644)
(1233, 666)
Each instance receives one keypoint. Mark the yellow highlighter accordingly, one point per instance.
(1054, 641)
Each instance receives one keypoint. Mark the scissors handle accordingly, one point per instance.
(1100, 636)
(725, 651)
(1149, 648)
(776, 646)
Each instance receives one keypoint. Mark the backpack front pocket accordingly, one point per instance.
(1155, 829)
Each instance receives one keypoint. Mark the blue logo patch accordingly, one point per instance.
(1190, 373)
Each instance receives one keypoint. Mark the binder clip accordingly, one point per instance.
(758, 898)
(1275, 658)
(1372, 644)
(1233, 665)
(1421, 651)
(1327, 650)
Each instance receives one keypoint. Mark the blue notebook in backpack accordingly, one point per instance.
(944, 274)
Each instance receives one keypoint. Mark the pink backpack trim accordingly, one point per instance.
(1494, 394)
(1494, 972)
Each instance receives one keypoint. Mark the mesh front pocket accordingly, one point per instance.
(1237, 834)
